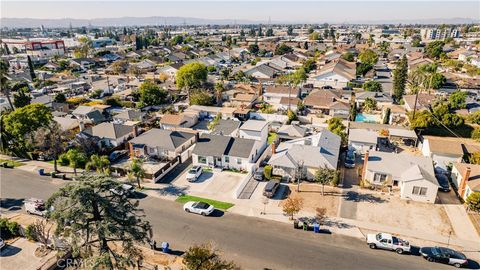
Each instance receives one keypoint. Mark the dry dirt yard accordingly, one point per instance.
(390, 210)
(312, 198)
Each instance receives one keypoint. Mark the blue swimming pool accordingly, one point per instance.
(367, 118)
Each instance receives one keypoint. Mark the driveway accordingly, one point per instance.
(22, 253)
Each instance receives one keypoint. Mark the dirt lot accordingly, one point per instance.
(392, 211)
(312, 198)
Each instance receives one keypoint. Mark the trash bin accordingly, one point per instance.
(305, 226)
(165, 246)
(295, 224)
(41, 171)
(316, 228)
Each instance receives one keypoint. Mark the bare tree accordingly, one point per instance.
(321, 214)
(51, 141)
(41, 231)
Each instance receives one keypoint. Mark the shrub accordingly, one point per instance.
(267, 172)
(8, 228)
(336, 179)
(63, 159)
(30, 233)
(13, 228)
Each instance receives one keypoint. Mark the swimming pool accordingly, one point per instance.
(367, 118)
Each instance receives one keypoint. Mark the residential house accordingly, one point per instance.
(226, 152)
(303, 157)
(264, 72)
(226, 127)
(110, 135)
(327, 102)
(88, 114)
(161, 144)
(423, 101)
(291, 132)
(67, 123)
(274, 93)
(129, 116)
(182, 120)
(382, 98)
(414, 176)
(336, 74)
(362, 140)
(466, 178)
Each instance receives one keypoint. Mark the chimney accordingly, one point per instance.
(130, 148)
(365, 162)
(81, 125)
(463, 183)
(134, 131)
(274, 148)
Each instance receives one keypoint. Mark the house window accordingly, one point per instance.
(227, 159)
(239, 161)
(421, 191)
(379, 178)
(202, 160)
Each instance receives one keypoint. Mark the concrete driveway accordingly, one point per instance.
(21, 255)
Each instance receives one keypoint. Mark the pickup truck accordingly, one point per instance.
(35, 207)
(387, 241)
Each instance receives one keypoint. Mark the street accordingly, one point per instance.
(251, 242)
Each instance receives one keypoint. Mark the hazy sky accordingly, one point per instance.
(310, 11)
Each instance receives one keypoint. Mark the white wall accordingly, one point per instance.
(406, 189)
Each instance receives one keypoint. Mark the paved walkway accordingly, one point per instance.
(462, 226)
(35, 165)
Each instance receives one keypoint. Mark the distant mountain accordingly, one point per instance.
(157, 20)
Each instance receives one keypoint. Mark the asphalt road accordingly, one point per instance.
(252, 243)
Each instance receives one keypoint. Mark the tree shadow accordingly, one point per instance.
(11, 204)
(336, 224)
(173, 190)
(359, 197)
(9, 251)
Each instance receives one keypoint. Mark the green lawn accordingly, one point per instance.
(12, 162)
(271, 137)
(216, 204)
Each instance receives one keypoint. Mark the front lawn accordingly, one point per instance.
(13, 163)
(216, 204)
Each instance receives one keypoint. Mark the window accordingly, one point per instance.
(421, 191)
(227, 159)
(379, 178)
(202, 160)
(239, 161)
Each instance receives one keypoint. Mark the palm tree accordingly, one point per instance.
(218, 93)
(100, 163)
(136, 167)
(415, 82)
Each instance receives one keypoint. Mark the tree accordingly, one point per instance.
(291, 115)
(60, 98)
(84, 47)
(368, 57)
(253, 48)
(21, 98)
(324, 176)
(348, 56)
(290, 30)
(200, 97)
(434, 49)
(457, 99)
(473, 202)
(99, 163)
(136, 167)
(218, 93)
(369, 104)
(151, 94)
(372, 86)
(192, 75)
(119, 67)
(100, 224)
(474, 117)
(283, 49)
(320, 214)
(269, 32)
(22, 121)
(386, 117)
(76, 158)
(336, 126)
(423, 119)
(437, 80)
(50, 141)
(30, 68)
(40, 231)
(4, 81)
(363, 68)
(292, 205)
(205, 257)
(314, 36)
(400, 76)
(476, 134)
(267, 172)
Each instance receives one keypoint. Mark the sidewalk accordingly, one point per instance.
(35, 165)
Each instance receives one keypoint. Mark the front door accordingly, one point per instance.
(218, 162)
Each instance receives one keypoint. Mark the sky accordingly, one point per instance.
(286, 11)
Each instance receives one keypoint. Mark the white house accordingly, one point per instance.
(466, 178)
(447, 150)
(336, 74)
(255, 130)
(362, 140)
(275, 93)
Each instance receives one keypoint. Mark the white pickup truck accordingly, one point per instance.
(35, 207)
(387, 241)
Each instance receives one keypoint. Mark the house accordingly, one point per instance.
(83, 63)
(263, 71)
(226, 127)
(182, 120)
(362, 140)
(336, 74)
(303, 157)
(446, 151)
(274, 93)
(291, 132)
(466, 178)
(382, 98)
(111, 134)
(129, 116)
(412, 175)
(327, 102)
(67, 123)
(254, 130)
(423, 101)
(161, 143)
(226, 152)
(88, 114)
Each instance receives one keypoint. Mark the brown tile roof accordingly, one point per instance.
(281, 89)
(452, 145)
(474, 180)
(321, 98)
(172, 119)
(422, 101)
(341, 67)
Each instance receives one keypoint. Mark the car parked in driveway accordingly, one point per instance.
(201, 208)
(194, 173)
(350, 159)
(258, 174)
(443, 182)
(271, 188)
(2, 243)
(444, 255)
(388, 242)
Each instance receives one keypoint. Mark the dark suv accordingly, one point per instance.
(271, 188)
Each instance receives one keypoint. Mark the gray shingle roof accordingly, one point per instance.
(225, 127)
(109, 130)
(162, 138)
(216, 145)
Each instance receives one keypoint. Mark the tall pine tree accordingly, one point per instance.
(400, 75)
(30, 68)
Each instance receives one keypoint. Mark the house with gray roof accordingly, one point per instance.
(226, 152)
(413, 175)
(226, 127)
(290, 132)
(161, 143)
(88, 114)
(362, 140)
(129, 115)
(306, 155)
(110, 134)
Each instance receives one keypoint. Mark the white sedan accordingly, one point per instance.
(200, 208)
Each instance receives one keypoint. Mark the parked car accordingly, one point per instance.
(201, 208)
(124, 189)
(35, 207)
(258, 174)
(2, 243)
(388, 242)
(350, 159)
(116, 155)
(443, 182)
(194, 173)
(444, 255)
(271, 188)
